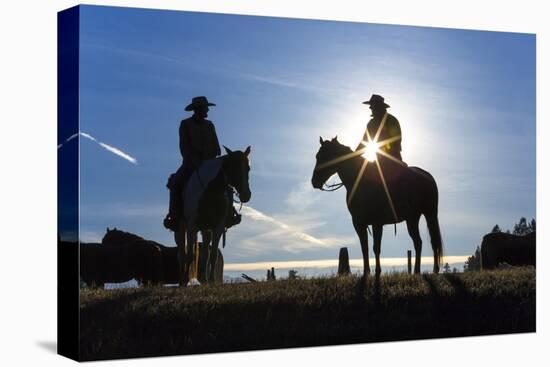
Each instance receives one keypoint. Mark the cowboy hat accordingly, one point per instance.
(376, 99)
(198, 102)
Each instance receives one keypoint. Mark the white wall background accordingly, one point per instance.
(28, 181)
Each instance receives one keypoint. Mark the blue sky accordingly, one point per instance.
(465, 100)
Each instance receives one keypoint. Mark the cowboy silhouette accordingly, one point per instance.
(198, 142)
(390, 129)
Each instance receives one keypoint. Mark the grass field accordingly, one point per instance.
(144, 322)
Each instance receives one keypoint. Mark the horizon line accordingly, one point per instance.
(328, 263)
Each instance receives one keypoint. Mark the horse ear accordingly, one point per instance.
(321, 140)
(227, 150)
(247, 151)
(335, 138)
(108, 229)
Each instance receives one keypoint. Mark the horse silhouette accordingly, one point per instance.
(386, 194)
(499, 247)
(170, 265)
(139, 260)
(213, 206)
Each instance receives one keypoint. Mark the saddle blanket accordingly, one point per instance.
(197, 184)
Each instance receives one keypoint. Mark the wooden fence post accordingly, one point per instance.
(343, 262)
(409, 261)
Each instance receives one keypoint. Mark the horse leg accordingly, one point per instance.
(216, 236)
(180, 237)
(190, 250)
(377, 244)
(361, 230)
(207, 242)
(412, 227)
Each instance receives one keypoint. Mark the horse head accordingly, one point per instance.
(116, 236)
(237, 168)
(326, 160)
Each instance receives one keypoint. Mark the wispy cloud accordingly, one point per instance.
(105, 146)
(302, 197)
(291, 237)
(125, 210)
(273, 81)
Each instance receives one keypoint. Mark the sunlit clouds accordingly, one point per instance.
(354, 263)
(292, 238)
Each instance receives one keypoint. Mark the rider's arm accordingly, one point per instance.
(185, 146)
(183, 143)
(215, 140)
(394, 130)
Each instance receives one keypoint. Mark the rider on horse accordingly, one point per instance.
(389, 130)
(198, 142)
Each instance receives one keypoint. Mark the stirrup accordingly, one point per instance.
(170, 223)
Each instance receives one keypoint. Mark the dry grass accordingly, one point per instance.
(165, 321)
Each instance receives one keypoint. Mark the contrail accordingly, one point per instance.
(68, 139)
(105, 146)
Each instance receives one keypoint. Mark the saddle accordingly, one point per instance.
(197, 184)
(191, 192)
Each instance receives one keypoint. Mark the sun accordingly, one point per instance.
(371, 150)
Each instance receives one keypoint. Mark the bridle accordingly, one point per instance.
(234, 191)
(331, 187)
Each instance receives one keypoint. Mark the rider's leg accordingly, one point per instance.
(175, 185)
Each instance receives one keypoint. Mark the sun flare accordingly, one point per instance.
(371, 149)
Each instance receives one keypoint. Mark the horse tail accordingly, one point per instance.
(435, 236)
(433, 227)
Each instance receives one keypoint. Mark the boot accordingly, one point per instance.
(172, 218)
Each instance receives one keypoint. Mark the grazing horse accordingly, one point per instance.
(100, 264)
(170, 265)
(508, 248)
(383, 192)
(207, 205)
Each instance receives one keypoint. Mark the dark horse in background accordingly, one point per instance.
(100, 264)
(499, 247)
(170, 265)
(213, 207)
(413, 193)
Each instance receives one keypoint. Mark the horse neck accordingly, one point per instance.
(220, 180)
(225, 169)
(348, 170)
